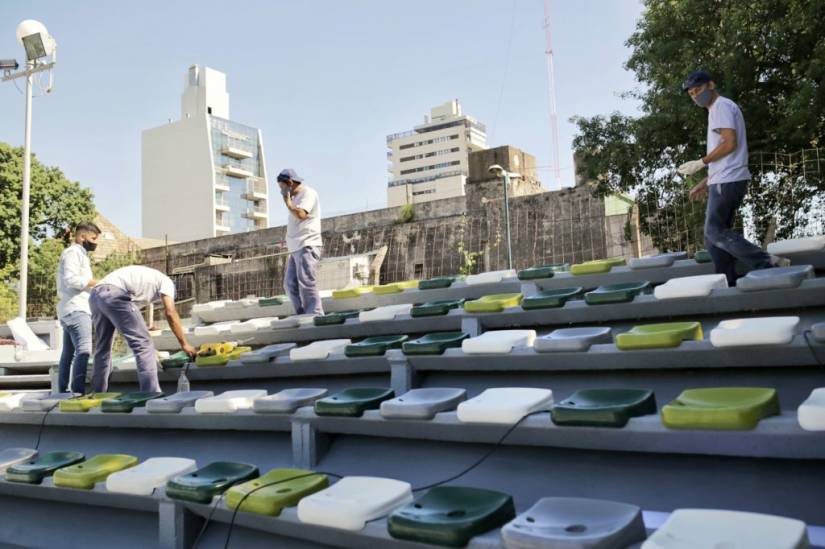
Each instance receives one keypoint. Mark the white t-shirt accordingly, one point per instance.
(307, 232)
(73, 274)
(724, 113)
(143, 283)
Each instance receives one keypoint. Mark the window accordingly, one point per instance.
(418, 272)
(431, 167)
(428, 191)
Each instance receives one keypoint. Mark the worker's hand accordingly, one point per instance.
(699, 191)
(189, 350)
(690, 168)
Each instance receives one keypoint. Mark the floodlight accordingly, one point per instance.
(35, 39)
(8, 64)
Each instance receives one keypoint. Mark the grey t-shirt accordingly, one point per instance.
(724, 113)
(307, 232)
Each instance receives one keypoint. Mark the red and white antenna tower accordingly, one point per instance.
(551, 80)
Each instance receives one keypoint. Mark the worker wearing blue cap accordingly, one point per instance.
(303, 240)
(727, 181)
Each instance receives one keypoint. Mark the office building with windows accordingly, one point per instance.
(430, 161)
(203, 175)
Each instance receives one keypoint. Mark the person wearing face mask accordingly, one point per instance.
(74, 281)
(727, 181)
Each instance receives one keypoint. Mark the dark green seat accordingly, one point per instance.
(434, 308)
(128, 402)
(451, 515)
(36, 469)
(272, 301)
(375, 346)
(330, 319)
(177, 360)
(352, 402)
(702, 256)
(603, 407)
(547, 299)
(545, 271)
(720, 408)
(292, 485)
(435, 283)
(616, 293)
(434, 344)
(202, 485)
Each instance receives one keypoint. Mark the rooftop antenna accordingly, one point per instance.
(551, 80)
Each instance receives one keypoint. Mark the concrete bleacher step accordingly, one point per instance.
(25, 381)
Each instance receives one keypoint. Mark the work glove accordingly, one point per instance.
(690, 168)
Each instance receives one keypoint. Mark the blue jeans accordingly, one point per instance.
(724, 244)
(300, 280)
(77, 346)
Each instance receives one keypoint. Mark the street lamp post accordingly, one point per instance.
(501, 172)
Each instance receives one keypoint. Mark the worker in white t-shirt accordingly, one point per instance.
(303, 240)
(727, 181)
(114, 306)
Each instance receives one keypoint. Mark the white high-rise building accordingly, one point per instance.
(430, 161)
(203, 175)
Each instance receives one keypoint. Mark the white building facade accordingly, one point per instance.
(203, 175)
(430, 161)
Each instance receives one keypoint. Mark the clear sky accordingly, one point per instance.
(326, 81)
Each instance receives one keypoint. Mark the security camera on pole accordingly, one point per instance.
(41, 56)
(497, 170)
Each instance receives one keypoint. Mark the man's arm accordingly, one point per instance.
(174, 323)
(726, 146)
(699, 189)
(73, 275)
(300, 213)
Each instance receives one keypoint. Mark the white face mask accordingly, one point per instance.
(703, 98)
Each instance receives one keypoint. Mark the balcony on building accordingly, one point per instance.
(256, 212)
(235, 152)
(235, 171)
(255, 190)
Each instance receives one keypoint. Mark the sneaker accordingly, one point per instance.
(777, 261)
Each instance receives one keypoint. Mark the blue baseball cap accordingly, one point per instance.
(288, 174)
(696, 79)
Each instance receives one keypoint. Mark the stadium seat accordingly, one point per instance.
(422, 403)
(547, 299)
(575, 523)
(288, 487)
(351, 292)
(35, 469)
(775, 278)
(572, 339)
(287, 400)
(435, 308)
(13, 456)
(176, 402)
(499, 342)
(252, 326)
(128, 402)
(375, 346)
(811, 413)
(769, 330)
(229, 401)
(353, 402)
(210, 306)
(142, 479)
(657, 336)
(491, 277)
(451, 515)
(273, 301)
(818, 331)
(690, 286)
(616, 293)
(434, 344)
(353, 501)
(394, 287)
(331, 319)
(504, 405)
(596, 266)
(493, 303)
(202, 485)
(86, 474)
(702, 256)
(652, 262)
(242, 303)
(45, 402)
(436, 283)
(544, 271)
(711, 529)
(319, 350)
(214, 354)
(223, 328)
(266, 354)
(603, 407)
(720, 408)
(797, 245)
(11, 401)
(177, 360)
(220, 359)
(86, 402)
(294, 321)
(387, 312)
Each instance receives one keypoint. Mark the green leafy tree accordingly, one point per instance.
(114, 261)
(767, 55)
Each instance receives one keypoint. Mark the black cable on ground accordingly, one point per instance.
(43, 424)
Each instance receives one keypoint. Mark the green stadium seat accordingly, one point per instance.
(13, 456)
(436, 283)
(86, 402)
(657, 336)
(616, 293)
(596, 266)
(547, 299)
(219, 354)
(330, 319)
(202, 485)
(128, 402)
(394, 287)
(177, 360)
(435, 308)
(434, 344)
(451, 515)
(272, 301)
(702, 256)
(86, 474)
(544, 271)
(493, 303)
(358, 291)
(720, 408)
(603, 407)
(375, 346)
(353, 402)
(292, 486)
(36, 469)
